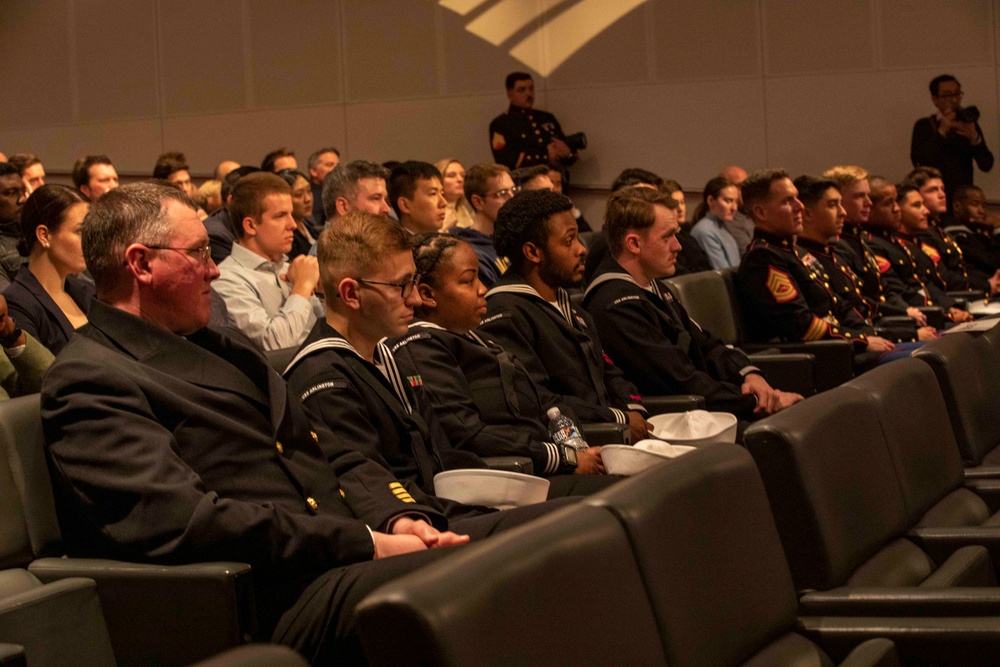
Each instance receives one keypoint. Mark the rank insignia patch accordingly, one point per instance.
(780, 285)
(883, 264)
(498, 142)
(931, 252)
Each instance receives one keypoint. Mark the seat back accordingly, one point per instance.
(707, 299)
(709, 555)
(917, 432)
(22, 458)
(563, 589)
(969, 378)
(831, 483)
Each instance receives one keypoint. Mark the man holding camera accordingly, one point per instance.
(524, 136)
(950, 139)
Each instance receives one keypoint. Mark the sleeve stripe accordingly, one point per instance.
(817, 329)
(620, 417)
(552, 462)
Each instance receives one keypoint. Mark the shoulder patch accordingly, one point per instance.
(622, 299)
(931, 252)
(409, 339)
(495, 316)
(780, 285)
(323, 386)
(498, 141)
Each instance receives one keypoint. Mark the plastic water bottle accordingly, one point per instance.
(564, 431)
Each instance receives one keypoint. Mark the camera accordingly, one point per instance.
(578, 140)
(967, 114)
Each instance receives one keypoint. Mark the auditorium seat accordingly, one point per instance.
(943, 513)
(156, 615)
(845, 505)
(642, 576)
(968, 375)
(710, 299)
(561, 590)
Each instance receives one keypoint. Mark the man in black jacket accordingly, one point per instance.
(647, 332)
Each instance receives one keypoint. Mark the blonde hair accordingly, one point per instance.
(845, 174)
(355, 244)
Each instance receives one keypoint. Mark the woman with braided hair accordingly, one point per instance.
(483, 396)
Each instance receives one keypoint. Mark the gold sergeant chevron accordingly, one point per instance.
(572, 25)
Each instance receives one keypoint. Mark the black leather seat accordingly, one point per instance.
(561, 590)
(642, 576)
(167, 615)
(711, 300)
(712, 563)
(835, 489)
(942, 513)
(968, 374)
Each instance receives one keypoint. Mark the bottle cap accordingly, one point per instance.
(553, 412)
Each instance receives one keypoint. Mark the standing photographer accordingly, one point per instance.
(950, 139)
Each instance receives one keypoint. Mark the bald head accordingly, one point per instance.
(735, 174)
(3, 158)
(224, 168)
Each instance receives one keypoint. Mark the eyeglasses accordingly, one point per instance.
(951, 96)
(505, 194)
(405, 289)
(203, 254)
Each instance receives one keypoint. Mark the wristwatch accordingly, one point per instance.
(567, 458)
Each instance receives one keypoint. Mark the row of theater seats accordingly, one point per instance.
(868, 512)
(863, 517)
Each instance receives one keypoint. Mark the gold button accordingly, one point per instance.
(312, 503)
(313, 434)
(281, 450)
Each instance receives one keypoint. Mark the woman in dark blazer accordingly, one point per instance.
(46, 299)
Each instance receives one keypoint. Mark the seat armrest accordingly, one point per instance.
(873, 653)
(984, 481)
(902, 601)
(12, 655)
(834, 359)
(198, 610)
(897, 321)
(968, 295)
(935, 316)
(658, 405)
(605, 434)
(787, 372)
(940, 543)
(940, 641)
(521, 464)
(258, 655)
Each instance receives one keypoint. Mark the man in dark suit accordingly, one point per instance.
(173, 442)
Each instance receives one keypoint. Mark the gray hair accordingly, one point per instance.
(343, 182)
(133, 213)
(315, 157)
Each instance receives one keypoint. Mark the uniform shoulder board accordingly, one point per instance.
(338, 384)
